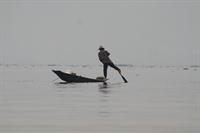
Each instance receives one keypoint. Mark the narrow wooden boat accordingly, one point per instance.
(73, 78)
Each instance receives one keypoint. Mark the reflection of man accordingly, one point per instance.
(104, 58)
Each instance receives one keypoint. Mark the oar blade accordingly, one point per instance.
(125, 81)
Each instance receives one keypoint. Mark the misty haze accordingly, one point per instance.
(145, 80)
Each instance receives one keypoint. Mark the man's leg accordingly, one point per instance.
(115, 67)
(105, 67)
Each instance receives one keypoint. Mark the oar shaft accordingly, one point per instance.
(124, 78)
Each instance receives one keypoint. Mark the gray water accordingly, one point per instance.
(157, 99)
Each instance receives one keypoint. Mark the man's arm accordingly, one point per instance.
(107, 53)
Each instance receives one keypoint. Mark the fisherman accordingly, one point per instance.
(104, 58)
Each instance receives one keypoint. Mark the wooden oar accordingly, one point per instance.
(125, 81)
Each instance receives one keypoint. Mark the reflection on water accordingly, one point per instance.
(67, 85)
(104, 97)
(104, 88)
(103, 85)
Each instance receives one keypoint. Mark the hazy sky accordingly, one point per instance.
(69, 32)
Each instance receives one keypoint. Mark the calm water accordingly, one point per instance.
(157, 99)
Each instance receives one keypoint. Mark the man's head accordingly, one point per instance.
(101, 48)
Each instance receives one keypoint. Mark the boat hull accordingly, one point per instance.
(71, 78)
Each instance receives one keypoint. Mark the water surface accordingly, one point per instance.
(157, 99)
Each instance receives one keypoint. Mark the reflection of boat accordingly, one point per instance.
(74, 78)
